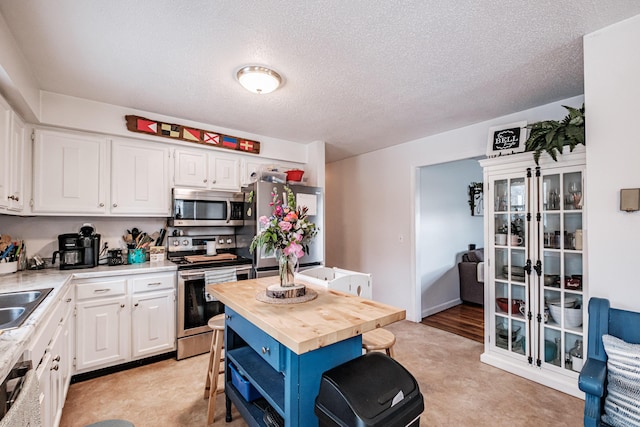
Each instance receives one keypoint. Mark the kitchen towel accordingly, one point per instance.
(219, 275)
(25, 411)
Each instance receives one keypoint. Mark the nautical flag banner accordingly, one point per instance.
(189, 134)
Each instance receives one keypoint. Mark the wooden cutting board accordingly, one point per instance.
(205, 258)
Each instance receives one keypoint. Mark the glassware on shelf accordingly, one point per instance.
(575, 355)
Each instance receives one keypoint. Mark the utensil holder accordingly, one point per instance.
(136, 256)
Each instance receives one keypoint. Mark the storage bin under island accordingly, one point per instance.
(283, 349)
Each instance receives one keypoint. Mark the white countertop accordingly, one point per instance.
(13, 342)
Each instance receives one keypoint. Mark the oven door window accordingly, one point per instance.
(198, 310)
(200, 210)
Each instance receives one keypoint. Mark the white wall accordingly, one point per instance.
(612, 95)
(444, 230)
(83, 114)
(17, 83)
(371, 204)
(40, 234)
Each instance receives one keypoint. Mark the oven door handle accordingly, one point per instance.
(192, 276)
(228, 211)
(243, 269)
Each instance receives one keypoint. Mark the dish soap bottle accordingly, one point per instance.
(576, 356)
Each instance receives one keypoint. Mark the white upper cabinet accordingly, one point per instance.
(12, 159)
(17, 170)
(202, 169)
(224, 173)
(70, 173)
(250, 171)
(191, 168)
(5, 150)
(139, 178)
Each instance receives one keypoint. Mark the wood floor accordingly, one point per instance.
(466, 320)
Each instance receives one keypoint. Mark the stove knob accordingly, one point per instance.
(229, 241)
(185, 242)
(176, 243)
(221, 241)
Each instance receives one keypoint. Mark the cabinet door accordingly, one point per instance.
(510, 252)
(70, 172)
(190, 168)
(562, 286)
(139, 178)
(153, 323)
(43, 374)
(102, 333)
(56, 381)
(5, 150)
(224, 173)
(16, 167)
(68, 335)
(250, 171)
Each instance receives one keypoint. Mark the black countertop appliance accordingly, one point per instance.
(78, 250)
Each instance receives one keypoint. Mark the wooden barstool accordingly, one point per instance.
(216, 365)
(379, 339)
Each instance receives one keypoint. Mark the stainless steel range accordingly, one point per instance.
(196, 269)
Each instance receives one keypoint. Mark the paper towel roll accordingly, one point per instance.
(211, 247)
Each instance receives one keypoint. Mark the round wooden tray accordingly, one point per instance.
(308, 296)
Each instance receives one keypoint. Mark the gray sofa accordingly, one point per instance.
(471, 290)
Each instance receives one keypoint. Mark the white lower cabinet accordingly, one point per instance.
(124, 319)
(153, 315)
(103, 322)
(51, 352)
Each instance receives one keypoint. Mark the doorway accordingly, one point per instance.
(445, 229)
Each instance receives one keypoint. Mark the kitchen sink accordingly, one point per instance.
(16, 307)
(8, 315)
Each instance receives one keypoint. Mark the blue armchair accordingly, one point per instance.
(593, 378)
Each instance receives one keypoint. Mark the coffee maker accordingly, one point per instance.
(78, 250)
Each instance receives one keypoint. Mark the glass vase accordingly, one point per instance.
(286, 268)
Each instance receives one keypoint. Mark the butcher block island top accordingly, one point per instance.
(331, 317)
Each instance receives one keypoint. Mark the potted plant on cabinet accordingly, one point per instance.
(551, 136)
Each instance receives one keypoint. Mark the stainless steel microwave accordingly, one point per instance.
(193, 207)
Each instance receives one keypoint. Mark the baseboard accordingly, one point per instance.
(441, 307)
(123, 367)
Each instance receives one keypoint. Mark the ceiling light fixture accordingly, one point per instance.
(258, 79)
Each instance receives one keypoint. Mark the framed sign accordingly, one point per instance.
(507, 139)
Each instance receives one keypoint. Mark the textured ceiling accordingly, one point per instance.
(359, 75)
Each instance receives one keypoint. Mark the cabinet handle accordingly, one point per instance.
(154, 284)
(213, 181)
(12, 197)
(227, 316)
(135, 305)
(97, 291)
(68, 300)
(204, 180)
(54, 368)
(57, 359)
(115, 205)
(101, 205)
(121, 305)
(266, 350)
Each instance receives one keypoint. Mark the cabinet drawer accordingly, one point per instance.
(154, 283)
(266, 346)
(101, 289)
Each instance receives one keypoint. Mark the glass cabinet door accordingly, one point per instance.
(509, 255)
(562, 268)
